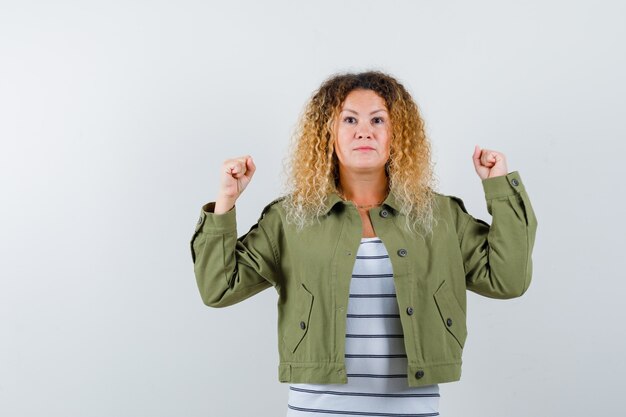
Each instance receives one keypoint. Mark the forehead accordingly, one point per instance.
(364, 100)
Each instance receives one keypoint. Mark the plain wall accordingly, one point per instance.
(114, 120)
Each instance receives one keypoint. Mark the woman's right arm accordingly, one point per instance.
(230, 269)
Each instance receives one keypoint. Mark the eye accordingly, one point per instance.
(349, 119)
(378, 120)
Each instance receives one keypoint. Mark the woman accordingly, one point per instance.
(370, 264)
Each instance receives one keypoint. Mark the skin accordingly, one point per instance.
(362, 123)
(363, 143)
(236, 174)
(488, 163)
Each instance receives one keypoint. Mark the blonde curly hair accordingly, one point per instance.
(311, 167)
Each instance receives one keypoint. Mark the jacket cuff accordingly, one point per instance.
(209, 222)
(503, 185)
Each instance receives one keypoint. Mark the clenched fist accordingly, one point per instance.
(235, 176)
(488, 163)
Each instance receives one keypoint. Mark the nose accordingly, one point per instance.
(364, 130)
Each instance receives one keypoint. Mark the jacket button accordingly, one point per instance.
(449, 322)
(419, 374)
(302, 325)
(402, 252)
(409, 311)
(384, 213)
(515, 182)
(200, 220)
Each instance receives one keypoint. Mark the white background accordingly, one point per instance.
(114, 120)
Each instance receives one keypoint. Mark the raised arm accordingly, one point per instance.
(497, 257)
(230, 269)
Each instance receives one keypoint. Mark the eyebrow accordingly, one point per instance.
(375, 111)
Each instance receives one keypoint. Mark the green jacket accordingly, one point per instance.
(311, 272)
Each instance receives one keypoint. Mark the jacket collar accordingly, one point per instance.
(333, 199)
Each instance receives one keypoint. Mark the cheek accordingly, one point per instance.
(387, 152)
(343, 132)
(342, 141)
(387, 142)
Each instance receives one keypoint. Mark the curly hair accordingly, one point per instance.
(311, 167)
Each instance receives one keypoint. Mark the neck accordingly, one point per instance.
(366, 189)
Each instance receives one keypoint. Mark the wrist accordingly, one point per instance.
(224, 204)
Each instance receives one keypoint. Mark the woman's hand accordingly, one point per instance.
(488, 163)
(236, 174)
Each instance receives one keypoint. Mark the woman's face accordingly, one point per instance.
(363, 132)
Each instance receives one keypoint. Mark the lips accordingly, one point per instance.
(364, 148)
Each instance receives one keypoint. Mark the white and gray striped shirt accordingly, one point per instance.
(376, 360)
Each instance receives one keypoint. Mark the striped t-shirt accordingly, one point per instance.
(376, 361)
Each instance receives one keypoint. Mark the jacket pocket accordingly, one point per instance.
(299, 324)
(452, 315)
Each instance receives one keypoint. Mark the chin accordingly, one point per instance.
(367, 167)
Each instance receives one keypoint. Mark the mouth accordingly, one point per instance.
(364, 148)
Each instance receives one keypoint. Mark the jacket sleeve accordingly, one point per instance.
(230, 269)
(497, 258)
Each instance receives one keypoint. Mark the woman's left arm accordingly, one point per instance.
(497, 257)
